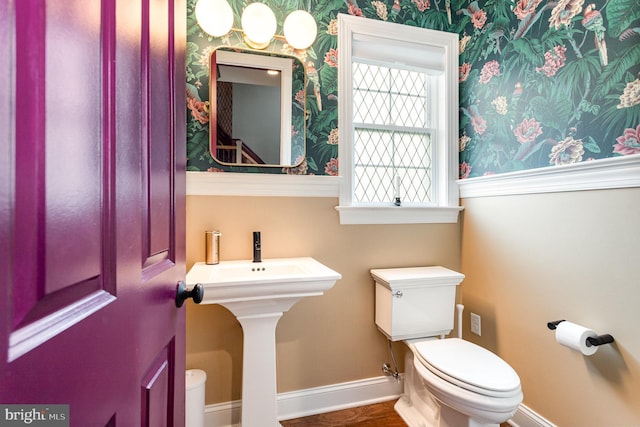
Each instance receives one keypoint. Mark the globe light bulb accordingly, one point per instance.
(259, 25)
(300, 29)
(215, 17)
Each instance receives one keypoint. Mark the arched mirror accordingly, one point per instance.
(257, 108)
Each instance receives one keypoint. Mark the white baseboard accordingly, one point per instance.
(526, 417)
(225, 414)
(318, 400)
(295, 404)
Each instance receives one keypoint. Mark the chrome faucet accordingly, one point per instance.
(257, 247)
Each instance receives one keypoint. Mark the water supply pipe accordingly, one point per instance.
(460, 309)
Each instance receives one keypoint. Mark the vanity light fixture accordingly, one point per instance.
(259, 24)
(215, 17)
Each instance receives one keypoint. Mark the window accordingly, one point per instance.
(391, 135)
(398, 123)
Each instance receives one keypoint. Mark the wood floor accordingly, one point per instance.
(377, 415)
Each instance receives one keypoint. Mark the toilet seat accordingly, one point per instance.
(468, 366)
(480, 407)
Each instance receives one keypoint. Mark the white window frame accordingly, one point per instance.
(444, 207)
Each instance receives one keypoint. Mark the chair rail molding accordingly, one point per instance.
(261, 184)
(610, 173)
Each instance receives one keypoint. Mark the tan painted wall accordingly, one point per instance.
(532, 259)
(321, 340)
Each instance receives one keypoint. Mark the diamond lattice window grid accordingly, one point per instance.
(392, 138)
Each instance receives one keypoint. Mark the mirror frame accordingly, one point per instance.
(263, 60)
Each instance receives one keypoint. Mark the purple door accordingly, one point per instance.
(92, 208)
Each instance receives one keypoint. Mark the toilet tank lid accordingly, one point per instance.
(408, 276)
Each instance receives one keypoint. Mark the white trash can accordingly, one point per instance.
(194, 405)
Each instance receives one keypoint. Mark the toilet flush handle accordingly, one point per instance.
(397, 294)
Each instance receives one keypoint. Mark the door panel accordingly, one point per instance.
(73, 143)
(158, 109)
(92, 208)
(59, 187)
(156, 387)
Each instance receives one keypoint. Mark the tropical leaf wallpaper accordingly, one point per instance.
(542, 83)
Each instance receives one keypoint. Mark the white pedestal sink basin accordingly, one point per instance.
(257, 294)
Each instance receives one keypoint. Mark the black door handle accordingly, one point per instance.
(182, 294)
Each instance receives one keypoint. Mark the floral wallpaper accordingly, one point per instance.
(542, 83)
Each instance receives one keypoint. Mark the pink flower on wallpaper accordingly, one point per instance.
(554, 59)
(300, 97)
(479, 124)
(354, 10)
(422, 5)
(463, 72)
(331, 167)
(525, 8)
(331, 58)
(628, 143)
(199, 110)
(464, 170)
(489, 70)
(527, 131)
(478, 18)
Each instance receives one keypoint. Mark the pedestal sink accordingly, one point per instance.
(258, 294)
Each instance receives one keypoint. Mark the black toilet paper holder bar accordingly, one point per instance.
(594, 341)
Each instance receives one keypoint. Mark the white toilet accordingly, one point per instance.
(448, 382)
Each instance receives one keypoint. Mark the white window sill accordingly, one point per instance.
(614, 172)
(397, 215)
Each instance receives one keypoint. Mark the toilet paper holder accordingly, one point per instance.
(594, 341)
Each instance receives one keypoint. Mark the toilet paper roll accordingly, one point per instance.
(575, 337)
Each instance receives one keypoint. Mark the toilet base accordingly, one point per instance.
(418, 407)
(445, 418)
(414, 417)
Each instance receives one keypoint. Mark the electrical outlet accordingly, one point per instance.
(476, 324)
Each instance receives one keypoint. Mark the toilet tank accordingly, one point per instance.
(415, 302)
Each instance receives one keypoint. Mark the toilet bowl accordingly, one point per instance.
(448, 382)
(476, 386)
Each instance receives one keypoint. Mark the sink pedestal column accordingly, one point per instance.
(259, 390)
(259, 319)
